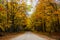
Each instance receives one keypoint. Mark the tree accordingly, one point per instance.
(3, 18)
(43, 17)
(13, 16)
(20, 17)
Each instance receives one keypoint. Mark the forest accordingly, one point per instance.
(45, 18)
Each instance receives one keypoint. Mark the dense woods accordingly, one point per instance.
(45, 18)
(12, 16)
